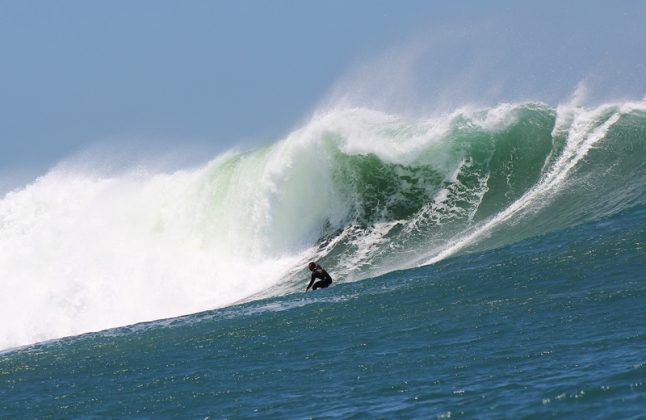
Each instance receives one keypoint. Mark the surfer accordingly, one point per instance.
(318, 273)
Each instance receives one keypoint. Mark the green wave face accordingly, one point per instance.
(374, 192)
(470, 172)
(494, 168)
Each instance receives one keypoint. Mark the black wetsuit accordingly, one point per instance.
(325, 279)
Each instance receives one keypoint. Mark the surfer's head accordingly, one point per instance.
(312, 266)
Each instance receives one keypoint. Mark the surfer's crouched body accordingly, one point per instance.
(318, 273)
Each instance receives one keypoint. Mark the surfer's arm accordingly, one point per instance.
(311, 282)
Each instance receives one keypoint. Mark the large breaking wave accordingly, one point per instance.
(361, 191)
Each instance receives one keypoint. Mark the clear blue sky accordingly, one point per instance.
(228, 72)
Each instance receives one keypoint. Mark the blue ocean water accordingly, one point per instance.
(553, 325)
(491, 268)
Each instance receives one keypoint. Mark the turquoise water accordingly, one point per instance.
(488, 263)
(553, 325)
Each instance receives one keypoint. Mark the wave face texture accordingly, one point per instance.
(360, 191)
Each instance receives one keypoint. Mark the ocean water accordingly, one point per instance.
(488, 263)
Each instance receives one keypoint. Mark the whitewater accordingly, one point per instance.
(361, 191)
